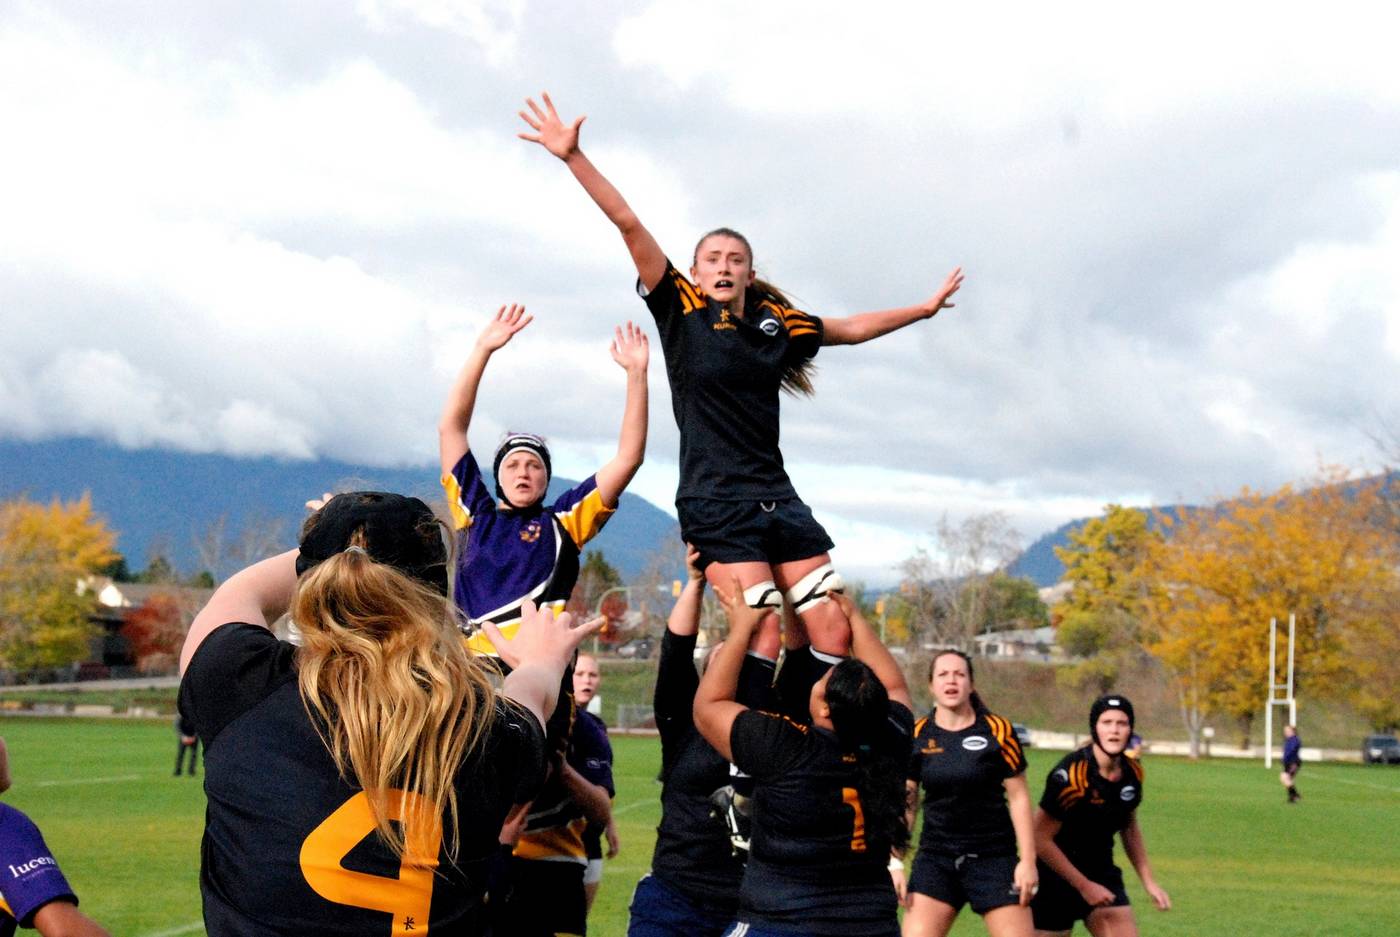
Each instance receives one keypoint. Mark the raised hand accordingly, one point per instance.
(542, 636)
(743, 618)
(692, 563)
(950, 286)
(315, 504)
(549, 131)
(630, 348)
(507, 321)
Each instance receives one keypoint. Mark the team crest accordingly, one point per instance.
(531, 533)
(724, 322)
(769, 326)
(974, 743)
(1128, 792)
(1061, 775)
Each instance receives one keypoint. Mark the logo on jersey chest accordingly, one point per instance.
(531, 532)
(724, 321)
(769, 327)
(1095, 798)
(1128, 792)
(931, 748)
(974, 743)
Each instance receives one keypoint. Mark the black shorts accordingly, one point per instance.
(1058, 904)
(769, 532)
(984, 882)
(546, 898)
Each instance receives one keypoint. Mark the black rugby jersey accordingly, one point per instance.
(1090, 808)
(961, 774)
(692, 852)
(813, 864)
(725, 374)
(289, 846)
(555, 825)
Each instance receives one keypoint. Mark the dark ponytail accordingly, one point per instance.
(859, 707)
(797, 376)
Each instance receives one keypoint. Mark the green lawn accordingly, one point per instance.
(1236, 859)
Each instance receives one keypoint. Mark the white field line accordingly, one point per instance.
(108, 780)
(634, 805)
(196, 928)
(1375, 787)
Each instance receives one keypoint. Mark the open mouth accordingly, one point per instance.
(724, 284)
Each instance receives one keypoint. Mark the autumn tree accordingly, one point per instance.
(1224, 571)
(45, 550)
(156, 630)
(1099, 619)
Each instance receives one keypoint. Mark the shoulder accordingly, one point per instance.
(795, 322)
(673, 290)
(236, 666)
(1004, 733)
(1132, 769)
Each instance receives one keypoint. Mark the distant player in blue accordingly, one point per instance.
(517, 547)
(1292, 762)
(33, 892)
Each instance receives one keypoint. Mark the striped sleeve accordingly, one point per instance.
(804, 331)
(466, 492)
(1067, 785)
(581, 511)
(1010, 746)
(674, 293)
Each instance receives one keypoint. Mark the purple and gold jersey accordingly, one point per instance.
(29, 876)
(515, 554)
(555, 825)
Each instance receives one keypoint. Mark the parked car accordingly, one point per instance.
(1380, 749)
(636, 649)
(1023, 735)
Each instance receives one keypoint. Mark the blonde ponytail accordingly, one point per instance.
(394, 694)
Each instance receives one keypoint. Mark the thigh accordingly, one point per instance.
(1056, 906)
(1115, 921)
(990, 882)
(928, 917)
(1012, 920)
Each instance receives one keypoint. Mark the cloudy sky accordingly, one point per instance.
(273, 229)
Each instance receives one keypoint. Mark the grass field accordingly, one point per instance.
(1236, 860)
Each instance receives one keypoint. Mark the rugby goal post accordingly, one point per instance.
(1280, 694)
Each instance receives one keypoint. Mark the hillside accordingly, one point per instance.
(161, 501)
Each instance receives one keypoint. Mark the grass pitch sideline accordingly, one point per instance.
(1236, 859)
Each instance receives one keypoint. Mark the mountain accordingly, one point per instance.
(161, 501)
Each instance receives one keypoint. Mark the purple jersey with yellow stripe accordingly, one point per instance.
(29, 876)
(514, 554)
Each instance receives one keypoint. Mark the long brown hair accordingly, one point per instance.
(391, 688)
(797, 376)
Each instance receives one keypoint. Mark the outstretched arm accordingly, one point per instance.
(715, 706)
(867, 647)
(1136, 848)
(562, 140)
(461, 400)
(629, 350)
(862, 327)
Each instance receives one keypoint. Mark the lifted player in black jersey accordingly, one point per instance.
(829, 796)
(970, 766)
(731, 342)
(1091, 795)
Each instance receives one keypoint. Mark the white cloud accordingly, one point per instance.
(278, 236)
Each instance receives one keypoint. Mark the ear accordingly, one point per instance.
(752, 274)
(694, 274)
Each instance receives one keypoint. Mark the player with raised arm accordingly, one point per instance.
(731, 342)
(829, 795)
(357, 783)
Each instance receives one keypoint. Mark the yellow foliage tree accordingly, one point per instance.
(1099, 618)
(1224, 571)
(45, 550)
